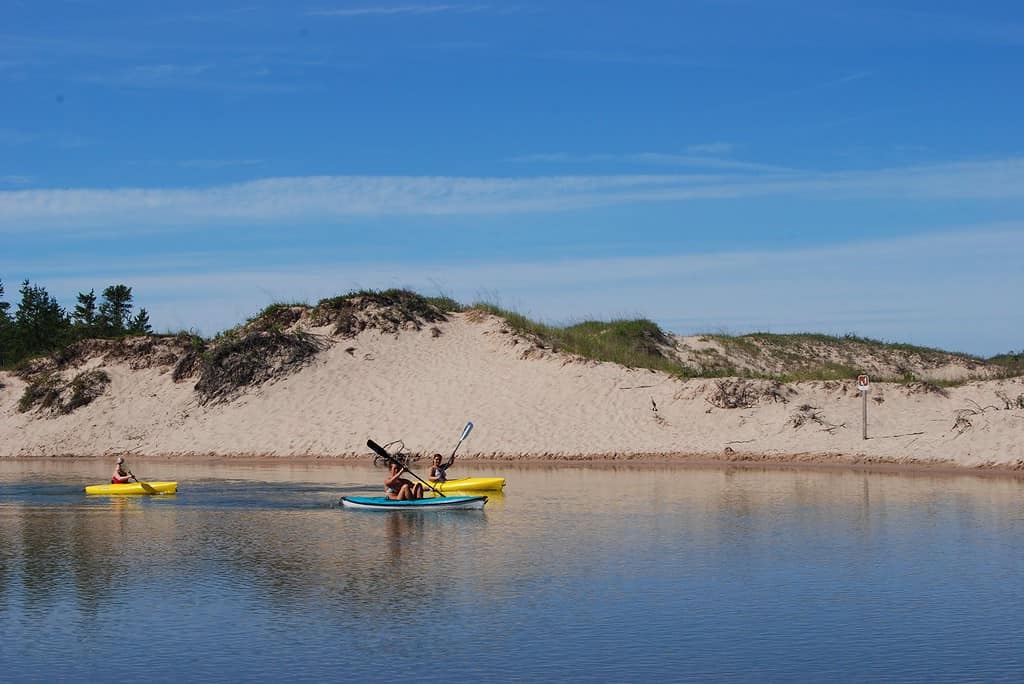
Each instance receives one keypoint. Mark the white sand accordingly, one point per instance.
(525, 403)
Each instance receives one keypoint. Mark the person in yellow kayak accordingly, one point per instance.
(437, 470)
(121, 473)
(397, 488)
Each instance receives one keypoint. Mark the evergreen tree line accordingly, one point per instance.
(40, 325)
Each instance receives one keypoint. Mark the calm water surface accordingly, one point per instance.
(255, 574)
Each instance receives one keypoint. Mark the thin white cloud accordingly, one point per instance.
(706, 157)
(713, 149)
(693, 159)
(703, 161)
(327, 198)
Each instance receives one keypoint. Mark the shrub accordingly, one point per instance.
(252, 359)
(388, 311)
(48, 391)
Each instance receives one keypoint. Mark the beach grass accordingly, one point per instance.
(635, 343)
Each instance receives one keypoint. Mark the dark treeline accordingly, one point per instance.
(40, 325)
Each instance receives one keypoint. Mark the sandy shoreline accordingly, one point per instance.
(677, 461)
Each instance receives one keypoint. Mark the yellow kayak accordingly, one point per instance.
(470, 484)
(134, 488)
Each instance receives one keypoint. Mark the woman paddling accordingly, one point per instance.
(121, 473)
(397, 488)
(438, 471)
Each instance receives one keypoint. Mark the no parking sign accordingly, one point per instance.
(862, 383)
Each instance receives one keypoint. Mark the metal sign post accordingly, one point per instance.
(864, 387)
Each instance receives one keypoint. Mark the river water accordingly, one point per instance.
(254, 574)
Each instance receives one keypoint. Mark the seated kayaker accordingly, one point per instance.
(437, 470)
(121, 473)
(398, 488)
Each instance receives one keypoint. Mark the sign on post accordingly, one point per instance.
(863, 386)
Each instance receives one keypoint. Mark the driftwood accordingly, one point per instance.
(742, 393)
(807, 413)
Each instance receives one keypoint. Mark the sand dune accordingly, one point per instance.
(423, 385)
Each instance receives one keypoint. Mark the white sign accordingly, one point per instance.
(862, 383)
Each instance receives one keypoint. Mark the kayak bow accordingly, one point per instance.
(470, 484)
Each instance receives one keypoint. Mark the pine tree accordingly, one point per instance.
(4, 306)
(140, 324)
(115, 310)
(5, 330)
(84, 316)
(40, 325)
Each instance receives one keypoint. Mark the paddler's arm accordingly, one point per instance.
(394, 478)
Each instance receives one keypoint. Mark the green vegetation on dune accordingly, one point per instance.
(1012, 362)
(637, 343)
(816, 356)
(756, 341)
(384, 309)
(276, 337)
(48, 391)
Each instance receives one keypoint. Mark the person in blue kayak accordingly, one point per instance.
(397, 488)
(438, 470)
(121, 473)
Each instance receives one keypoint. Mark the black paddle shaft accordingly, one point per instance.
(383, 453)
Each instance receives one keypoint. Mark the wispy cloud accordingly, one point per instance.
(714, 149)
(392, 10)
(319, 198)
(693, 159)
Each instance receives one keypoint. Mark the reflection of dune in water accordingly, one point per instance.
(290, 547)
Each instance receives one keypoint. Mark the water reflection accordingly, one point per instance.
(664, 567)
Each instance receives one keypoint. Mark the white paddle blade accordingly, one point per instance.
(465, 432)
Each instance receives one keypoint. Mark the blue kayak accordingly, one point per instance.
(441, 503)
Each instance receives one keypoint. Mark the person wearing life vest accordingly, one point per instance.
(121, 473)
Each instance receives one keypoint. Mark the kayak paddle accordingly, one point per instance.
(145, 485)
(465, 434)
(451, 459)
(383, 453)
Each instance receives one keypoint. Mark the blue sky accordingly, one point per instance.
(728, 166)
